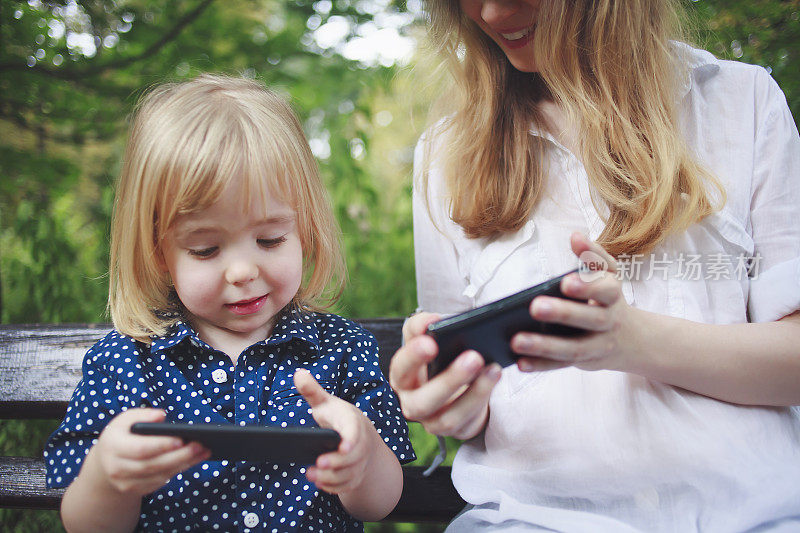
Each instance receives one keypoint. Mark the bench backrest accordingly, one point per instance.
(41, 364)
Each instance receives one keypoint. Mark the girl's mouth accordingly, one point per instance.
(247, 307)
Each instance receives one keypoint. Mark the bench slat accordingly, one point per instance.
(433, 499)
(40, 365)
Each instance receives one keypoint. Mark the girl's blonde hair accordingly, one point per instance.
(188, 142)
(612, 67)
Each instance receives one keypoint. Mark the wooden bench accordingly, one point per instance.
(41, 364)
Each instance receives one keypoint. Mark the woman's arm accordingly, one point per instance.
(753, 364)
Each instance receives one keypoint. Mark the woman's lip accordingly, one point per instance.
(247, 307)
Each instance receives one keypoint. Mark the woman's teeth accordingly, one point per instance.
(516, 35)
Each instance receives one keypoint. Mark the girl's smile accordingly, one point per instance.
(247, 307)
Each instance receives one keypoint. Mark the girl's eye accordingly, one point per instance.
(271, 243)
(204, 252)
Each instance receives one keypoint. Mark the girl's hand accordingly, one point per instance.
(455, 402)
(136, 465)
(343, 470)
(607, 317)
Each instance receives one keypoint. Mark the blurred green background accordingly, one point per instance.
(356, 74)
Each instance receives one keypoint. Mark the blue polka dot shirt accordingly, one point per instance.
(195, 383)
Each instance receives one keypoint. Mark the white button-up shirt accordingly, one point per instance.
(572, 450)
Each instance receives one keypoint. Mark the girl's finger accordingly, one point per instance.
(312, 391)
(141, 447)
(335, 481)
(170, 463)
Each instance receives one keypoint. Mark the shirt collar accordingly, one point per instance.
(291, 324)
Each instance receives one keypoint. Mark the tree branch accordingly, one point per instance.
(93, 70)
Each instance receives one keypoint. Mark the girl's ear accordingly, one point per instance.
(161, 263)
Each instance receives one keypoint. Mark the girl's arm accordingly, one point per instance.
(752, 364)
(92, 504)
(380, 488)
(121, 468)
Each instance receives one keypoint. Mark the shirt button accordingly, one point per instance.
(219, 376)
(251, 520)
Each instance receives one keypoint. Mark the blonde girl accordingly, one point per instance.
(224, 250)
(578, 129)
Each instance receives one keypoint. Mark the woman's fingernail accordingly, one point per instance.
(494, 372)
(471, 361)
(542, 307)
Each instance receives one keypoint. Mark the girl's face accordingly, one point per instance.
(234, 268)
(510, 23)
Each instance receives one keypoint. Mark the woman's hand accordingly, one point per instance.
(455, 403)
(135, 465)
(607, 317)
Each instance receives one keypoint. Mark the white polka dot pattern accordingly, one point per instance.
(176, 373)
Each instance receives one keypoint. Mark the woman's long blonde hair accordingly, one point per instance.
(188, 142)
(613, 68)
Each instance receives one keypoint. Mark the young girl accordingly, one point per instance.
(580, 127)
(222, 244)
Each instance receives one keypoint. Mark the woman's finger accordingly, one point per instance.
(569, 350)
(576, 314)
(421, 403)
(417, 325)
(591, 254)
(463, 415)
(604, 288)
(408, 367)
(539, 364)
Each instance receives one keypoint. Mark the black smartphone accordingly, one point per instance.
(300, 445)
(488, 329)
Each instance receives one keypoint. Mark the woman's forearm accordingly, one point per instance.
(750, 364)
(90, 504)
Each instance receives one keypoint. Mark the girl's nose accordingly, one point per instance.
(496, 11)
(241, 271)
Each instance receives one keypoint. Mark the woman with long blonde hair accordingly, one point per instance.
(588, 130)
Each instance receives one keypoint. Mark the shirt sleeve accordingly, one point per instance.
(367, 388)
(775, 208)
(440, 286)
(92, 406)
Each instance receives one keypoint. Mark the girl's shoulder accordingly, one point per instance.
(334, 328)
(114, 346)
